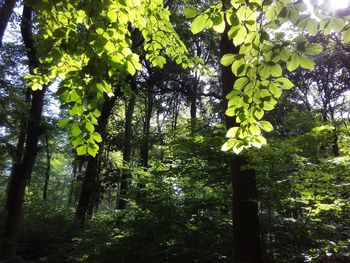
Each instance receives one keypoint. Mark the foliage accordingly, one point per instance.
(263, 53)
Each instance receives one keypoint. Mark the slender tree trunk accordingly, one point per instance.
(245, 208)
(335, 147)
(5, 13)
(194, 90)
(144, 151)
(175, 113)
(146, 130)
(48, 167)
(124, 185)
(193, 103)
(23, 171)
(92, 169)
(72, 184)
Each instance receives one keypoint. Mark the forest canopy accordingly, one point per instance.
(174, 131)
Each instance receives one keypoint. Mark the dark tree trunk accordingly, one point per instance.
(48, 167)
(5, 13)
(144, 151)
(22, 135)
(89, 183)
(193, 103)
(193, 96)
(335, 147)
(22, 171)
(127, 150)
(146, 130)
(245, 208)
(175, 113)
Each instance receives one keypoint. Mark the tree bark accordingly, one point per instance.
(22, 171)
(124, 185)
(146, 130)
(244, 205)
(48, 167)
(92, 169)
(5, 14)
(193, 101)
(73, 179)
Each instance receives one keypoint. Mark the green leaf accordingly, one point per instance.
(338, 23)
(306, 63)
(266, 126)
(64, 122)
(198, 23)
(285, 54)
(220, 28)
(228, 145)
(264, 71)
(285, 83)
(312, 26)
(314, 49)
(294, 62)
(346, 36)
(240, 83)
(276, 70)
(130, 68)
(112, 15)
(227, 59)
(276, 91)
(109, 46)
(96, 137)
(81, 150)
(89, 126)
(191, 12)
(36, 86)
(254, 129)
(91, 151)
(238, 67)
(259, 113)
(269, 105)
(78, 141)
(239, 38)
(75, 131)
(232, 132)
(230, 112)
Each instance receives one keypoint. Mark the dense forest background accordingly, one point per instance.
(158, 188)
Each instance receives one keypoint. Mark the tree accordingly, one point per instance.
(22, 170)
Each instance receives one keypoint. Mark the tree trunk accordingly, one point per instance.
(5, 14)
(72, 184)
(22, 172)
(124, 185)
(146, 129)
(48, 167)
(245, 207)
(193, 103)
(22, 135)
(92, 169)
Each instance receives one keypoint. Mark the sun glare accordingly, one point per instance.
(336, 4)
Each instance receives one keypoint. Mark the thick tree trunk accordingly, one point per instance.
(48, 167)
(92, 169)
(124, 185)
(22, 135)
(23, 170)
(5, 13)
(245, 207)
